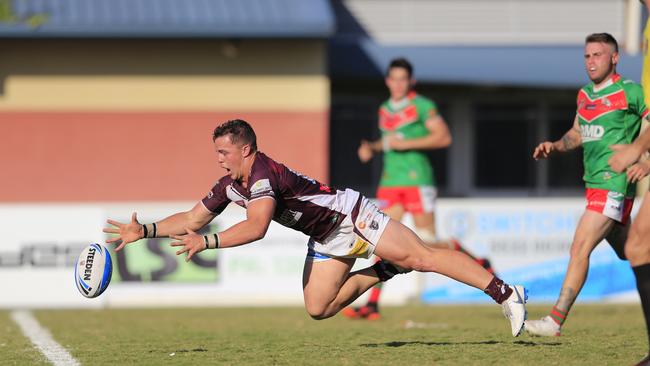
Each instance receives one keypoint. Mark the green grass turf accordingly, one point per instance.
(15, 348)
(439, 335)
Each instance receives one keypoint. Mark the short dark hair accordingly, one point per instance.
(240, 132)
(604, 38)
(400, 62)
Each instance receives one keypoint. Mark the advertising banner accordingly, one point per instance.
(527, 240)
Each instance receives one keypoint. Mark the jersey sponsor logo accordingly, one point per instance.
(261, 186)
(390, 121)
(591, 132)
(358, 248)
(289, 218)
(590, 108)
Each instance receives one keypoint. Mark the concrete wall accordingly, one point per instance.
(95, 120)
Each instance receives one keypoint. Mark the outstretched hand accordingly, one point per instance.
(624, 156)
(543, 150)
(365, 151)
(127, 233)
(191, 242)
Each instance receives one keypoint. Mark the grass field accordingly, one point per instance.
(413, 335)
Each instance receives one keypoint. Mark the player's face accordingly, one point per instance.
(398, 82)
(230, 156)
(600, 61)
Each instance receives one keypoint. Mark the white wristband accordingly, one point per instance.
(385, 144)
(211, 241)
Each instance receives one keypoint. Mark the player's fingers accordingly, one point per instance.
(111, 230)
(179, 252)
(134, 217)
(190, 254)
(178, 237)
(119, 247)
(177, 244)
(113, 240)
(114, 223)
(616, 147)
(189, 231)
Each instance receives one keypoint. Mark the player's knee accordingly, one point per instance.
(580, 249)
(317, 310)
(417, 263)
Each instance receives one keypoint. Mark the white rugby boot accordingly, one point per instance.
(514, 308)
(545, 327)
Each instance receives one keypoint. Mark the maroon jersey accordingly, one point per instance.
(302, 203)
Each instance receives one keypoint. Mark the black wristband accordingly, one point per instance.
(155, 230)
(146, 232)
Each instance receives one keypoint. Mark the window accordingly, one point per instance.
(503, 137)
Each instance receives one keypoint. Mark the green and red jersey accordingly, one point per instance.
(608, 116)
(407, 120)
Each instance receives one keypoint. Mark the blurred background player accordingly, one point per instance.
(410, 125)
(610, 110)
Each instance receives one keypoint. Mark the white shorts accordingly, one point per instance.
(356, 237)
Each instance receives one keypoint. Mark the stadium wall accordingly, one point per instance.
(107, 120)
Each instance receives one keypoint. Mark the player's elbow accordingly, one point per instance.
(259, 232)
(446, 141)
(258, 235)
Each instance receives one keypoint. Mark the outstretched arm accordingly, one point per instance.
(177, 223)
(258, 218)
(571, 140)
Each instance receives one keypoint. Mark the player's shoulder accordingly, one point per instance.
(264, 166)
(421, 100)
(630, 86)
(221, 184)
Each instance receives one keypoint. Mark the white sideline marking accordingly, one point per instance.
(42, 339)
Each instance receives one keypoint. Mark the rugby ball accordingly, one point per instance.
(93, 270)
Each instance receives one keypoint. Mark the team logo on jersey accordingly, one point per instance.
(606, 102)
(261, 186)
(591, 132)
(592, 107)
(607, 176)
(390, 121)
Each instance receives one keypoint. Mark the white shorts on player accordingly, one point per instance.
(356, 237)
